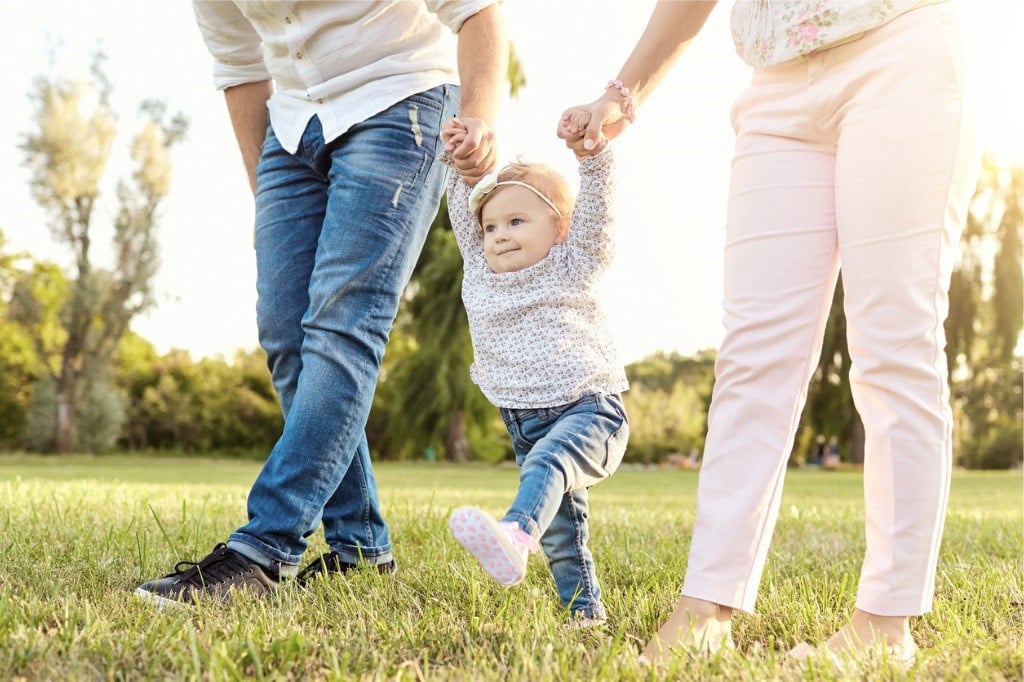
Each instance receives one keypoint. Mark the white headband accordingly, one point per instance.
(489, 183)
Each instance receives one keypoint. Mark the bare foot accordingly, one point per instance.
(696, 626)
(864, 634)
(867, 630)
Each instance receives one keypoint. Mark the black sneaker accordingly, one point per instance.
(331, 564)
(222, 571)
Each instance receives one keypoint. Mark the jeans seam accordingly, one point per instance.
(581, 552)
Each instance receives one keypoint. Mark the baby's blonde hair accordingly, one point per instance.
(541, 177)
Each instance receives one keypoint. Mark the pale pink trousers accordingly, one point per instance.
(859, 155)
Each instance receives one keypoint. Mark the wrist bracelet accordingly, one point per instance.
(628, 110)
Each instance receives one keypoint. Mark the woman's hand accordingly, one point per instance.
(587, 128)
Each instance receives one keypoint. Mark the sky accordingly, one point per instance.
(662, 294)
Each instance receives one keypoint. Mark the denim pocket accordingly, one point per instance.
(615, 445)
(424, 99)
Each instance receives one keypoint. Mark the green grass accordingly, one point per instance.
(78, 534)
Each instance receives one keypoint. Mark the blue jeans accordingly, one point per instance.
(562, 451)
(339, 227)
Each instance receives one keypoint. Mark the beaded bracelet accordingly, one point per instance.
(627, 99)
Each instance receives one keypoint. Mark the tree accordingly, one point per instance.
(1007, 280)
(983, 330)
(985, 323)
(68, 154)
(19, 366)
(829, 408)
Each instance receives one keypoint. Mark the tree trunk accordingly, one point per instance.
(455, 440)
(857, 441)
(65, 437)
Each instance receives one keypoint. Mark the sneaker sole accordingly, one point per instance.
(158, 601)
(482, 537)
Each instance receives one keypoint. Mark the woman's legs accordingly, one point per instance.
(781, 266)
(904, 175)
(904, 171)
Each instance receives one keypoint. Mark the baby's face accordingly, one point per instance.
(519, 229)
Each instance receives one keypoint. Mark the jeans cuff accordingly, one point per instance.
(528, 525)
(594, 611)
(283, 570)
(353, 554)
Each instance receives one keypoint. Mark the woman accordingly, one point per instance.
(852, 147)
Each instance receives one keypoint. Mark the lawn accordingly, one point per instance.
(79, 533)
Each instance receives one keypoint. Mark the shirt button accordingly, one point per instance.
(287, 20)
(319, 101)
(298, 55)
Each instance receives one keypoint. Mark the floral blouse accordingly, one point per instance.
(770, 32)
(540, 335)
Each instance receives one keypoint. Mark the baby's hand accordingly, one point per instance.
(453, 133)
(574, 122)
(469, 147)
(571, 128)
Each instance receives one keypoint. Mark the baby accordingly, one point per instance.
(544, 355)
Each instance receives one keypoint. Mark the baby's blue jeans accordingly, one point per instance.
(562, 451)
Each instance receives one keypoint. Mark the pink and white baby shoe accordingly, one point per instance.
(501, 547)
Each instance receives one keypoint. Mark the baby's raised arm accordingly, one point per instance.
(464, 224)
(593, 216)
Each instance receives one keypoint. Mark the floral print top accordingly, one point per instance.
(540, 335)
(770, 32)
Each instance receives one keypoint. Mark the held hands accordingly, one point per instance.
(472, 145)
(588, 128)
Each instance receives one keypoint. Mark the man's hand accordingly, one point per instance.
(472, 144)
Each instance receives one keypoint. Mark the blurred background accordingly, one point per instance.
(127, 274)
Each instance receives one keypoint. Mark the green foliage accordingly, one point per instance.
(829, 409)
(176, 403)
(984, 324)
(516, 75)
(17, 375)
(998, 448)
(1007, 280)
(99, 413)
(37, 306)
(100, 418)
(38, 434)
(987, 409)
(667, 404)
(18, 363)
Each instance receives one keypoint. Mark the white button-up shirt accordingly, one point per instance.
(341, 61)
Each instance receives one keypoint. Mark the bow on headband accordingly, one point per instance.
(489, 183)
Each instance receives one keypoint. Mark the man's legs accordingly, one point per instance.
(382, 187)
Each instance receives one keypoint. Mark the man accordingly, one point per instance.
(347, 182)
